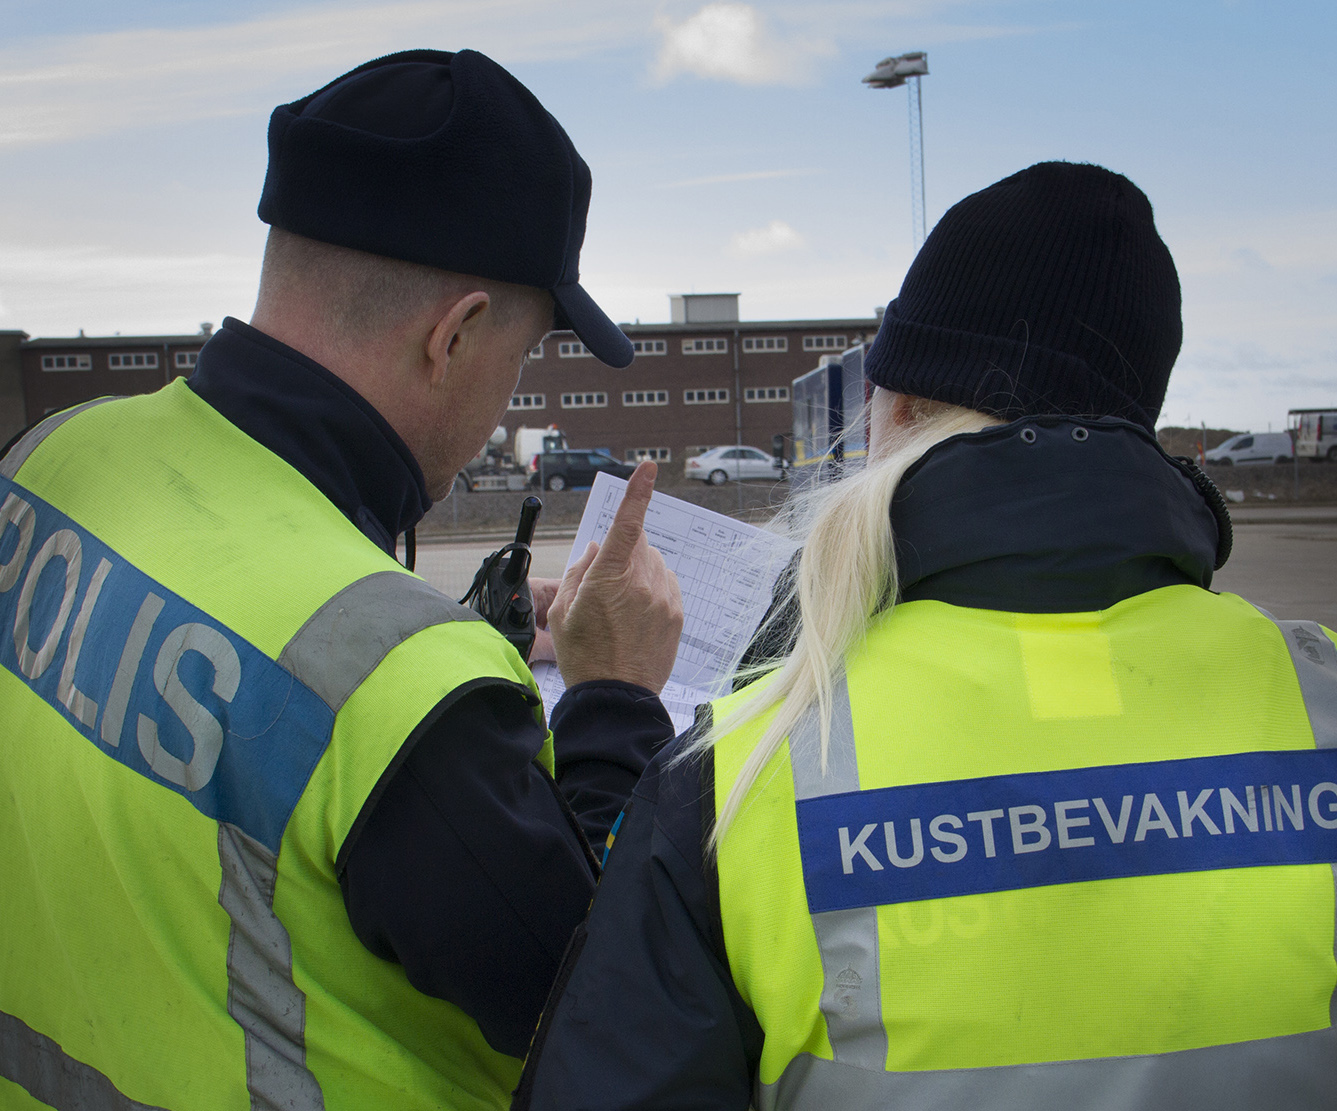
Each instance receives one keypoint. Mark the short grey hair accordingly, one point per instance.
(365, 294)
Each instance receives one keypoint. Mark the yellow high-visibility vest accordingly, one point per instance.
(1053, 861)
(206, 671)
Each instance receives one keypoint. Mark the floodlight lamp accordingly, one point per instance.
(891, 72)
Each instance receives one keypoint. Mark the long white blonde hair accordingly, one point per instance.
(846, 574)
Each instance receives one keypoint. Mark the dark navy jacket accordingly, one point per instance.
(469, 865)
(648, 1017)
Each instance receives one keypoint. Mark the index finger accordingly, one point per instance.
(629, 520)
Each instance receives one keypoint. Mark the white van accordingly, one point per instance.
(1254, 447)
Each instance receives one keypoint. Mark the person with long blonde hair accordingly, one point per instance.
(1022, 814)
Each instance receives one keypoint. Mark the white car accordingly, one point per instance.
(718, 465)
(1253, 447)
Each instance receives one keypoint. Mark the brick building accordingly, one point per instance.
(46, 375)
(703, 379)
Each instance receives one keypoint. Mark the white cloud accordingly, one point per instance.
(731, 42)
(67, 87)
(1249, 259)
(53, 290)
(774, 238)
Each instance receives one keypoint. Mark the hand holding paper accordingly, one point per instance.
(726, 571)
(618, 611)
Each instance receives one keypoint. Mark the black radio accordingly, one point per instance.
(500, 591)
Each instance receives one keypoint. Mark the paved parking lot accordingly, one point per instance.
(1284, 560)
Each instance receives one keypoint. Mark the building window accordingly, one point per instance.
(658, 454)
(528, 401)
(699, 449)
(765, 343)
(584, 400)
(704, 346)
(705, 397)
(766, 393)
(824, 343)
(645, 397)
(67, 362)
(137, 361)
(572, 350)
(650, 346)
(537, 352)
(186, 359)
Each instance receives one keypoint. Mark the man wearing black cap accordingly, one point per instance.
(284, 826)
(1025, 815)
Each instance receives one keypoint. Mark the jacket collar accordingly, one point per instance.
(318, 424)
(1053, 515)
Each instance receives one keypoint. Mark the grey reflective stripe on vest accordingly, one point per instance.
(847, 939)
(261, 995)
(332, 653)
(1315, 660)
(347, 638)
(18, 454)
(1296, 1071)
(37, 1064)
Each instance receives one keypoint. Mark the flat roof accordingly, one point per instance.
(864, 323)
(117, 341)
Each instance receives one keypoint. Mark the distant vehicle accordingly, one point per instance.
(1253, 447)
(561, 470)
(530, 441)
(718, 465)
(1315, 432)
(830, 418)
(495, 468)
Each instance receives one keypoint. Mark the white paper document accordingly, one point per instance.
(726, 571)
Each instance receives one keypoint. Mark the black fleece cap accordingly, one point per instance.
(1049, 292)
(443, 159)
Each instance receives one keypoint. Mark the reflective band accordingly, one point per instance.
(842, 758)
(1299, 1070)
(347, 638)
(847, 939)
(37, 1064)
(261, 996)
(18, 454)
(1315, 659)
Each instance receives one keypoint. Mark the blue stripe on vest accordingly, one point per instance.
(934, 840)
(151, 680)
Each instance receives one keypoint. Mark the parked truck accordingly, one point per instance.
(495, 468)
(1315, 433)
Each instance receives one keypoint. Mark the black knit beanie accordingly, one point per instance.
(1047, 292)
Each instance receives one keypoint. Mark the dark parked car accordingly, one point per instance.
(560, 470)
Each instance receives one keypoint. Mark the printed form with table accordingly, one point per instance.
(726, 571)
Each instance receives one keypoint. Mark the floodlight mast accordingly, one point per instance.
(906, 69)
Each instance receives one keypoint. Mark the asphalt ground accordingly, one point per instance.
(1284, 559)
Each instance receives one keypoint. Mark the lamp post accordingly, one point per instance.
(906, 69)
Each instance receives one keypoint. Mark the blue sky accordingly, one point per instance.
(733, 149)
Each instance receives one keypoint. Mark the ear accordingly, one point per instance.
(902, 410)
(451, 333)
